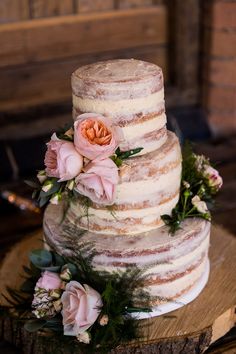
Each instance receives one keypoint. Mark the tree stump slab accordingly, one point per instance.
(190, 329)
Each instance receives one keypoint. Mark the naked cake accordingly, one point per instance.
(130, 232)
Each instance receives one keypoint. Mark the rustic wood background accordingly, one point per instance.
(42, 42)
(219, 65)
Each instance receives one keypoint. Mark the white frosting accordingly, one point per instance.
(173, 288)
(130, 213)
(133, 131)
(120, 107)
(128, 192)
(150, 218)
(178, 264)
(148, 146)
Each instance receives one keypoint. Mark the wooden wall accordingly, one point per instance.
(38, 54)
(219, 75)
(43, 41)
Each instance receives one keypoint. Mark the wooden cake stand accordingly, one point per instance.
(190, 329)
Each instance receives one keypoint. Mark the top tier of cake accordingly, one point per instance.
(128, 91)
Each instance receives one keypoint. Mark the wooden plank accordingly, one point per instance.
(220, 97)
(126, 4)
(61, 37)
(222, 44)
(221, 72)
(94, 5)
(222, 123)
(45, 8)
(219, 14)
(49, 82)
(14, 10)
(186, 40)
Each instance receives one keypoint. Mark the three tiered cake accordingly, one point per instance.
(129, 230)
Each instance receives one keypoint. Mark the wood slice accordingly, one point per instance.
(190, 329)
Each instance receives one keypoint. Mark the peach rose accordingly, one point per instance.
(81, 306)
(62, 160)
(49, 281)
(94, 136)
(98, 181)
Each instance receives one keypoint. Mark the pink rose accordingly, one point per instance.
(81, 307)
(98, 181)
(62, 160)
(214, 179)
(49, 281)
(94, 136)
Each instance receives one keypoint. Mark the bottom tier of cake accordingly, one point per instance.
(172, 265)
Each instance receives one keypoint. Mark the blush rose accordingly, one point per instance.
(98, 182)
(62, 160)
(214, 179)
(81, 307)
(94, 136)
(49, 281)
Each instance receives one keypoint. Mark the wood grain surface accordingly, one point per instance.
(192, 327)
(63, 37)
(94, 5)
(50, 8)
(14, 10)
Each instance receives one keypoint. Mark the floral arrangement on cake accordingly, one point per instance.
(84, 160)
(77, 304)
(199, 184)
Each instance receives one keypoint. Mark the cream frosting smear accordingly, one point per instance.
(121, 107)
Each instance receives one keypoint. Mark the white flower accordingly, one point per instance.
(47, 186)
(186, 184)
(84, 337)
(201, 160)
(66, 274)
(70, 184)
(103, 320)
(42, 176)
(55, 199)
(199, 204)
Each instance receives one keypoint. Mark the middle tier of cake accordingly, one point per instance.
(148, 188)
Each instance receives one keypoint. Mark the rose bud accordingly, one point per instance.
(104, 320)
(66, 274)
(42, 176)
(47, 186)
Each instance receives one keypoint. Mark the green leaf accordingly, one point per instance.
(58, 260)
(55, 188)
(34, 325)
(126, 154)
(41, 258)
(43, 201)
(72, 268)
